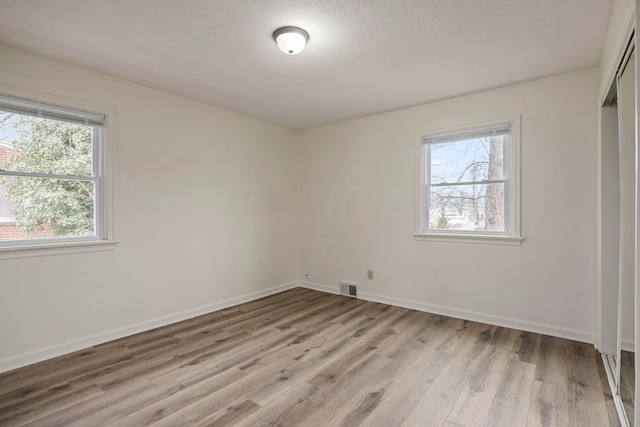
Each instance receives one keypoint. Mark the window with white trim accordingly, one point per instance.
(51, 174)
(469, 182)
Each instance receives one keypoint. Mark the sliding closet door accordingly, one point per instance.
(627, 134)
(637, 200)
(609, 233)
(617, 235)
(627, 117)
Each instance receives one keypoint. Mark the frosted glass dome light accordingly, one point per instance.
(291, 40)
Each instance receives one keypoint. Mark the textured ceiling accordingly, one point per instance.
(363, 56)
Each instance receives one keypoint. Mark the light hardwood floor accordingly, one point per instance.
(306, 358)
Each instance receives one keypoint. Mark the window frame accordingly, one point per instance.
(511, 235)
(102, 176)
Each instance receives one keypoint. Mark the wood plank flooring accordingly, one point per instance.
(628, 383)
(306, 358)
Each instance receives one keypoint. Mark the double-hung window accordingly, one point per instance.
(468, 184)
(51, 174)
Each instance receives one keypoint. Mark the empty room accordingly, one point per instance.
(318, 213)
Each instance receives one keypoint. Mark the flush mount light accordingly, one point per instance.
(291, 40)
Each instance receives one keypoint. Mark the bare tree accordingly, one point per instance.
(494, 202)
(479, 200)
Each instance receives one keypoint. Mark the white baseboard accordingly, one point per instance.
(320, 287)
(628, 345)
(25, 359)
(539, 328)
(507, 322)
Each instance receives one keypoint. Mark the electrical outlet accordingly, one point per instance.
(370, 274)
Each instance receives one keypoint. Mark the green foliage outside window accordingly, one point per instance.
(61, 206)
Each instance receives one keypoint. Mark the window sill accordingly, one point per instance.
(47, 249)
(486, 239)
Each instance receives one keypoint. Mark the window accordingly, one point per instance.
(469, 183)
(52, 187)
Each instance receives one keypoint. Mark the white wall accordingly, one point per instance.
(358, 197)
(205, 213)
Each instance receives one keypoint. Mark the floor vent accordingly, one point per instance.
(349, 289)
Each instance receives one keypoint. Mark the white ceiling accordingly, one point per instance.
(363, 56)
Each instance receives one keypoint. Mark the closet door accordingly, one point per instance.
(617, 235)
(609, 232)
(627, 147)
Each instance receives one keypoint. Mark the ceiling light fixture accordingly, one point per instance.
(291, 40)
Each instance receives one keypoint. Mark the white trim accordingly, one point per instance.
(27, 107)
(621, 45)
(459, 128)
(62, 248)
(25, 359)
(470, 238)
(319, 287)
(93, 179)
(507, 322)
(46, 98)
(628, 345)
